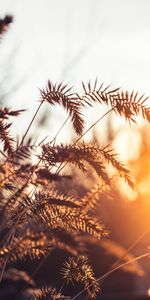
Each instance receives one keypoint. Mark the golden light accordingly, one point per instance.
(148, 292)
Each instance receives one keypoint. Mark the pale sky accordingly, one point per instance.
(75, 40)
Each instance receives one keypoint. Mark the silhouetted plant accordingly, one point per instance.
(36, 218)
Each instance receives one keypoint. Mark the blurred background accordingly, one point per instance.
(74, 41)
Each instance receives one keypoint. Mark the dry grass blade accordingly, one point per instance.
(60, 94)
(78, 155)
(44, 173)
(130, 105)
(6, 112)
(5, 137)
(123, 103)
(65, 213)
(28, 245)
(92, 198)
(54, 211)
(34, 244)
(23, 152)
(53, 198)
(112, 158)
(82, 154)
(95, 93)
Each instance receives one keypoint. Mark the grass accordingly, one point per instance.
(35, 216)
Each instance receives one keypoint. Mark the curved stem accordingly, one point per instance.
(132, 246)
(59, 130)
(27, 130)
(112, 271)
(84, 133)
(61, 166)
(54, 138)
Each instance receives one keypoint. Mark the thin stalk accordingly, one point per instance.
(95, 123)
(56, 135)
(3, 154)
(62, 286)
(26, 132)
(59, 130)
(61, 166)
(110, 272)
(54, 139)
(43, 140)
(131, 247)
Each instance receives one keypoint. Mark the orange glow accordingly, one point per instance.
(148, 292)
(133, 147)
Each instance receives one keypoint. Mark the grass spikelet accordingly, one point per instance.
(60, 94)
(78, 269)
